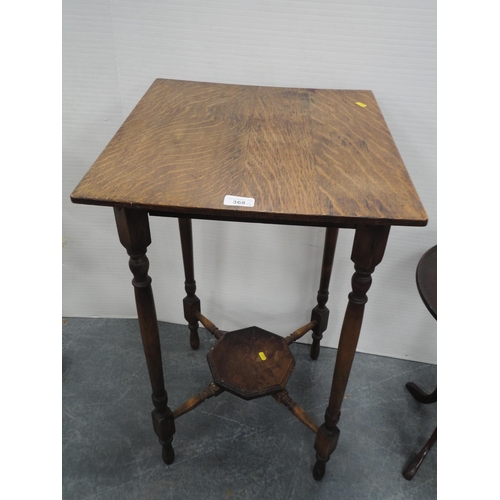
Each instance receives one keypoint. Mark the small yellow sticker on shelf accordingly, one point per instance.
(362, 104)
(262, 356)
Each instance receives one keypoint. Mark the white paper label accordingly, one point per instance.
(238, 201)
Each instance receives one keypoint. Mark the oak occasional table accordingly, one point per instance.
(310, 157)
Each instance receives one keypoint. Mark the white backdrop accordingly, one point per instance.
(250, 273)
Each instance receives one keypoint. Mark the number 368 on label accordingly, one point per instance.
(238, 201)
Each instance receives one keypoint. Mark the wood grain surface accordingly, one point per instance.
(251, 362)
(305, 155)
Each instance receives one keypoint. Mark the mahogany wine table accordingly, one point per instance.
(426, 277)
(309, 157)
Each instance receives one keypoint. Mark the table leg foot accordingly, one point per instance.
(314, 351)
(327, 438)
(194, 341)
(319, 469)
(167, 452)
(164, 426)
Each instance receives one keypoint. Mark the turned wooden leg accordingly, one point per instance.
(368, 250)
(191, 301)
(320, 313)
(133, 230)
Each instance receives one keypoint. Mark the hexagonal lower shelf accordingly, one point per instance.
(251, 362)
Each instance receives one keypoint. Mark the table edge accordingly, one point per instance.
(243, 215)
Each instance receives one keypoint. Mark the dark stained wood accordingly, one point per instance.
(307, 157)
(248, 218)
(284, 398)
(251, 362)
(420, 395)
(191, 301)
(133, 231)
(368, 250)
(412, 468)
(321, 313)
(211, 391)
(304, 155)
(426, 277)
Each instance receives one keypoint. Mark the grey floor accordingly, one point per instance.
(227, 447)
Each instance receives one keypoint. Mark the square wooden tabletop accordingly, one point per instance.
(304, 156)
